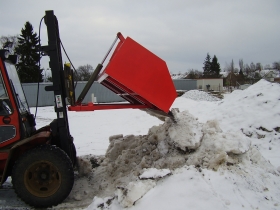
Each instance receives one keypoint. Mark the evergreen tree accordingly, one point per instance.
(215, 67)
(27, 67)
(207, 66)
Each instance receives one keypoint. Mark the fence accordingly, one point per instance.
(101, 93)
(185, 84)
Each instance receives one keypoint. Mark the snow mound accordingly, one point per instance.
(166, 147)
(261, 98)
(214, 159)
(198, 95)
(255, 111)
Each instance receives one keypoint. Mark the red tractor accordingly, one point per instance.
(42, 173)
(41, 161)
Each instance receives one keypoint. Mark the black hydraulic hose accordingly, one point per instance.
(68, 59)
(38, 87)
(114, 42)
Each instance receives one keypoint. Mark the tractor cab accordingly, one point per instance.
(42, 173)
(16, 122)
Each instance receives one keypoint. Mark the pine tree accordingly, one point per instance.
(215, 67)
(27, 67)
(207, 66)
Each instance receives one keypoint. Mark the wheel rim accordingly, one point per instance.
(42, 179)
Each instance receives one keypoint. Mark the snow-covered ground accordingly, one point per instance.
(220, 154)
(200, 96)
(179, 76)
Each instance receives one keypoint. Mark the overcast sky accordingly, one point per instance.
(181, 32)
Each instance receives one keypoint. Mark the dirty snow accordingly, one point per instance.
(218, 155)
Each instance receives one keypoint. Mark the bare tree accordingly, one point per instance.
(226, 67)
(194, 74)
(259, 66)
(232, 66)
(229, 67)
(276, 65)
(267, 66)
(249, 70)
(241, 65)
(83, 73)
(9, 42)
(253, 67)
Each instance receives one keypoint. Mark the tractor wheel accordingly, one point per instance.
(43, 176)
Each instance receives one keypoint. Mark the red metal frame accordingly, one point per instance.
(137, 75)
(91, 107)
(12, 148)
(14, 117)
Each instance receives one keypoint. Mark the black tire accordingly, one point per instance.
(43, 176)
(73, 154)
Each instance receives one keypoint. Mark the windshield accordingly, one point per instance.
(19, 94)
(3, 93)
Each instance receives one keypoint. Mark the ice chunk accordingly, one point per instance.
(154, 173)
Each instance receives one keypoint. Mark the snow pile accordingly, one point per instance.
(198, 95)
(214, 153)
(218, 147)
(172, 145)
(255, 111)
(261, 98)
(166, 147)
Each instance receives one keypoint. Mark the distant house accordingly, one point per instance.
(211, 84)
(227, 76)
(277, 80)
(233, 79)
(268, 74)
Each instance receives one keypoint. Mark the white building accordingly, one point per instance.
(215, 84)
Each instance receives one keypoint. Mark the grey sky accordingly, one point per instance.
(181, 32)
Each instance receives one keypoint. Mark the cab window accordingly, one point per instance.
(5, 105)
(17, 88)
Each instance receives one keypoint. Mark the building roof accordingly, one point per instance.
(208, 78)
(224, 74)
(272, 72)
